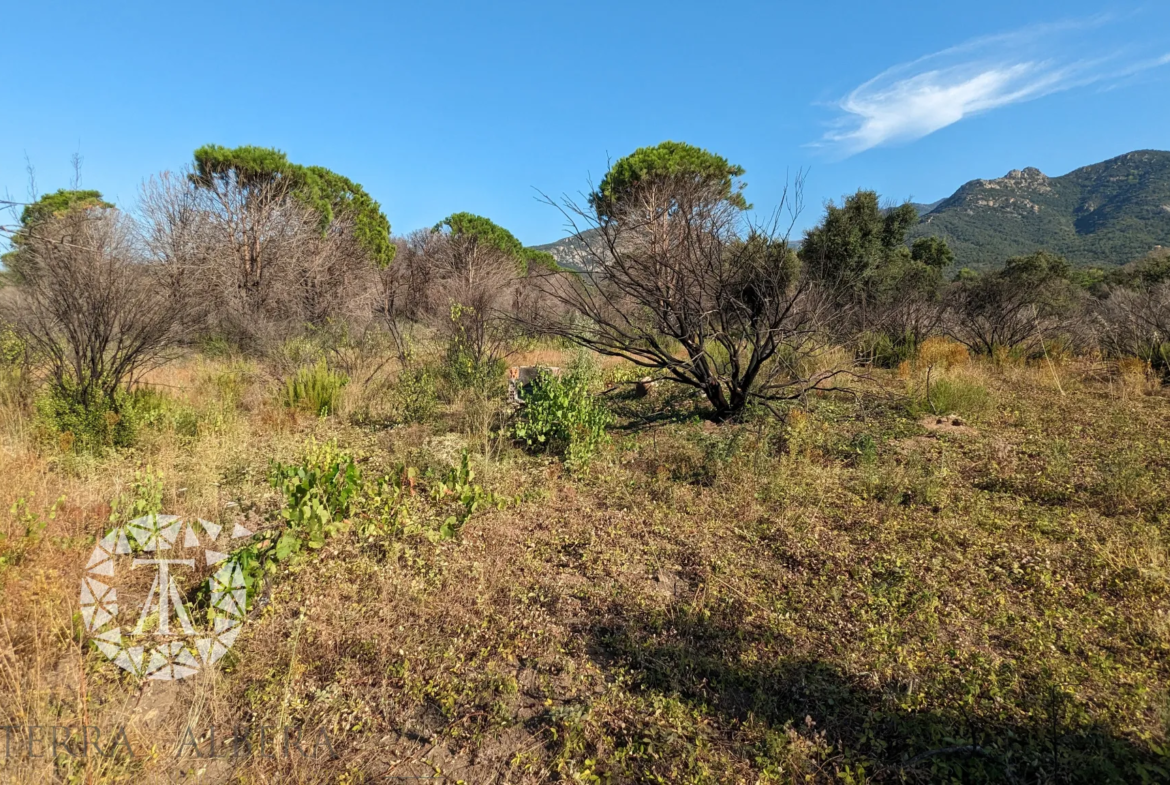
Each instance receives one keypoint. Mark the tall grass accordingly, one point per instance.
(314, 388)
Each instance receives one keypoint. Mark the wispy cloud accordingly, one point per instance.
(912, 100)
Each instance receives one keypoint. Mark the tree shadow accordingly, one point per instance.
(670, 403)
(720, 668)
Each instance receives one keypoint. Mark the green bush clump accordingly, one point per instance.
(106, 423)
(87, 427)
(314, 388)
(884, 350)
(950, 396)
(219, 347)
(14, 378)
(561, 415)
(318, 495)
(1158, 357)
(415, 395)
(465, 371)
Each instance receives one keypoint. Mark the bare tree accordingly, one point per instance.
(1012, 309)
(678, 282)
(93, 304)
(472, 286)
(260, 264)
(1136, 323)
(401, 295)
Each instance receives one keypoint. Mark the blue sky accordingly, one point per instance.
(442, 108)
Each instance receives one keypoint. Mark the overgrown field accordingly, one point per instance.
(953, 576)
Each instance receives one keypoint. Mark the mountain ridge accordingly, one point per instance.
(1105, 214)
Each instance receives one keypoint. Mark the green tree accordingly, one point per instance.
(1016, 308)
(889, 293)
(540, 259)
(488, 232)
(854, 242)
(1036, 268)
(49, 206)
(677, 280)
(484, 231)
(333, 195)
(59, 203)
(253, 169)
(1145, 273)
(672, 165)
(933, 252)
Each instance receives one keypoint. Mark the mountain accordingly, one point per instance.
(1105, 214)
(570, 251)
(923, 209)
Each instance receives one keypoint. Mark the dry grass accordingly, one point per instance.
(841, 596)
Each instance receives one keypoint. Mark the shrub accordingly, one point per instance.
(314, 388)
(414, 396)
(467, 371)
(107, 421)
(14, 377)
(216, 346)
(226, 383)
(947, 395)
(1157, 358)
(294, 353)
(12, 348)
(940, 352)
(884, 350)
(561, 415)
(95, 310)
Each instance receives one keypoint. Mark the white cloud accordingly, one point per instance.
(912, 100)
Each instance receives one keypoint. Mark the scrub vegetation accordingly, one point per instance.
(759, 515)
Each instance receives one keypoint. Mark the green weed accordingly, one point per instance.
(314, 388)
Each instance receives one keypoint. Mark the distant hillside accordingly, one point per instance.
(1105, 214)
(1109, 213)
(570, 252)
(923, 209)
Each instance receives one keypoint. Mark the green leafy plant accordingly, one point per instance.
(457, 486)
(414, 395)
(144, 498)
(561, 415)
(318, 495)
(326, 496)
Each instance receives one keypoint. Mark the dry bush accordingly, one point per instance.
(472, 288)
(92, 304)
(1136, 323)
(940, 351)
(678, 283)
(256, 257)
(401, 292)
